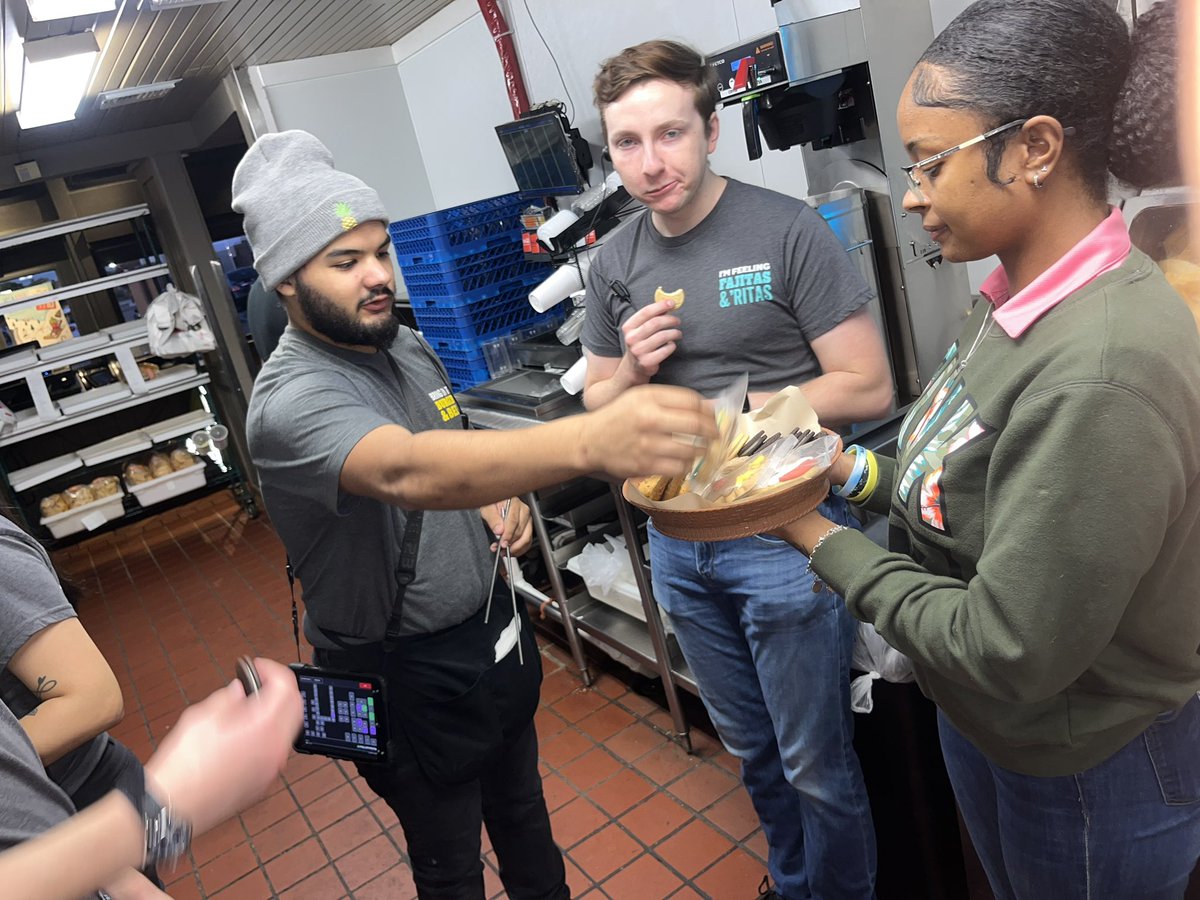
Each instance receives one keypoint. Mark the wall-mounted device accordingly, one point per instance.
(749, 68)
(547, 156)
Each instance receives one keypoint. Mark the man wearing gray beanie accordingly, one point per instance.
(363, 464)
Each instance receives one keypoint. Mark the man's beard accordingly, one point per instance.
(329, 319)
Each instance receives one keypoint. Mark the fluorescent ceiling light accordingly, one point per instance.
(57, 71)
(157, 5)
(136, 94)
(46, 10)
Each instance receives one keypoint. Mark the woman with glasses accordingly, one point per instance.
(1044, 565)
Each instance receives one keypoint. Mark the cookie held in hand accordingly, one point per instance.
(674, 297)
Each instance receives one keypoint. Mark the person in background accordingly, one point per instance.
(359, 445)
(769, 291)
(56, 682)
(221, 756)
(1141, 156)
(266, 319)
(1045, 503)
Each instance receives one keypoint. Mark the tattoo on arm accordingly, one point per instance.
(45, 684)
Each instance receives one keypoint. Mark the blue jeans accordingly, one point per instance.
(1125, 829)
(772, 662)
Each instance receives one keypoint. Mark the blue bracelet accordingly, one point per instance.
(858, 475)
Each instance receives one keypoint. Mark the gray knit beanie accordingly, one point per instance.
(295, 202)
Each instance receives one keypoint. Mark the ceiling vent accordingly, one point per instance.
(138, 94)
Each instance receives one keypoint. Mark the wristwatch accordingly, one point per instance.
(167, 836)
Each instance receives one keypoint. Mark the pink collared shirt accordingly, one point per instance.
(1105, 248)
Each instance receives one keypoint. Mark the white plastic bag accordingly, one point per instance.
(602, 565)
(176, 325)
(878, 659)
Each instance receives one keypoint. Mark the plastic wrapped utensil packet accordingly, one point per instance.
(727, 406)
(784, 462)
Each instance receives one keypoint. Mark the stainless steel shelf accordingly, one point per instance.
(88, 287)
(55, 229)
(625, 634)
(40, 426)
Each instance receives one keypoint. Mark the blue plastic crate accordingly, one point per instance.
(482, 318)
(447, 231)
(508, 238)
(459, 352)
(430, 283)
(463, 377)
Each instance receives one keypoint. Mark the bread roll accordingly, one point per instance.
(181, 459)
(105, 486)
(53, 505)
(159, 465)
(78, 495)
(136, 473)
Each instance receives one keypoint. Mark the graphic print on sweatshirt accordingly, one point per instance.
(947, 424)
(743, 285)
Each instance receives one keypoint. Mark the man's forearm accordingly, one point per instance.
(99, 843)
(460, 469)
(842, 398)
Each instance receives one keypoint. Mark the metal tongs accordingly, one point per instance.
(512, 590)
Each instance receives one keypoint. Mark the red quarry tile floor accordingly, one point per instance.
(172, 601)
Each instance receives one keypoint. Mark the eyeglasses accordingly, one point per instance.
(910, 171)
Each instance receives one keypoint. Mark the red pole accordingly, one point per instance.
(514, 82)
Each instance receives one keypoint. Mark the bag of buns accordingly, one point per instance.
(78, 495)
(53, 505)
(105, 486)
(181, 459)
(159, 465)
(136, 473)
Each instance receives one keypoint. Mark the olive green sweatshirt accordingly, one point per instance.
(1044, 572)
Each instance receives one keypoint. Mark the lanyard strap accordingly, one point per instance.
(406, 565)
(406, 572)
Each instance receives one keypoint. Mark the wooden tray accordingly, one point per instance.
(735, 520)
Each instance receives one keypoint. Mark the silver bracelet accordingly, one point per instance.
(818, 585)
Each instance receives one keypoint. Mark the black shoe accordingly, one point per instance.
(766, 892)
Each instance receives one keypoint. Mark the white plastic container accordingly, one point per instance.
(31, 476)
(156, 490)
(90, 516)
(115, 448)
(170, 375)
(179, 425)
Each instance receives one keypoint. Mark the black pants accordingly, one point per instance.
(117, 767)
(442, 822)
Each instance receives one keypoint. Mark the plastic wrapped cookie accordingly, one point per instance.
(78, 495)
(105, 486)
(181, 459)
(53, 505)
(160, 465)
(136, 473)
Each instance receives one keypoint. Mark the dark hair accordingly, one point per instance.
(1015, 59)
(666, 60)
(1145, 152)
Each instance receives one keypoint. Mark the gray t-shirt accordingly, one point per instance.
(763, 276)
(32, 599)
(29, 802)
(312, 403)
